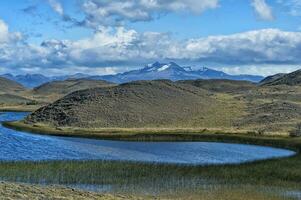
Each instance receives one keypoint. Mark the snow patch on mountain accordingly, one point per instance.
(164, 67)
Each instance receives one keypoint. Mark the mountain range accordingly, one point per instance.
(171, 71)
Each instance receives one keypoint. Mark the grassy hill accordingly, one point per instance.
(159, 103)
(9, 86)
(270, 79)
(15, 97)
(68, 86)
(291, 79)
(221, 85)
(222, 104)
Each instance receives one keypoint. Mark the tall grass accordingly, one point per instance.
(161, 178)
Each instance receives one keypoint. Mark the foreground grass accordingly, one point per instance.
(28, 192)
(11, 191)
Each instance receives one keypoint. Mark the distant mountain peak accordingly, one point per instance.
(155, 64)
(156, 70)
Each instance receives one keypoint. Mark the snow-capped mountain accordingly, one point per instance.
(157, 70)
(171, 71)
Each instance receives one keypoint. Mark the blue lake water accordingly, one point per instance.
(17, 146)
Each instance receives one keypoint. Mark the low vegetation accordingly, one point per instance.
(9, 191)
(271, 179)
(297, 131)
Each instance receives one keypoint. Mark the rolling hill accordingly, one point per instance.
(291, 79)
(270, 79)
(28, 80)
(238, 105)
(221, 85)
(65, 87)
(160, 103)
(9, 86)
(10, 99)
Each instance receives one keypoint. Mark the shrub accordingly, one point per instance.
(296, 132)
(32, 103)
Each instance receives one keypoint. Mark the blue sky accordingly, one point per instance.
(103, 37)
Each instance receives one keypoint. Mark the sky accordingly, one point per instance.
(58, 37)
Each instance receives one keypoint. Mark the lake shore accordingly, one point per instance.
(19, 108)
(141, 134)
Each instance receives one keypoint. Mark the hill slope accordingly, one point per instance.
(9, 86)
(290, 79)
(28, 80)
(221, 85)
(137, 104)
(68, 86)
(270, 79)
(10, 99)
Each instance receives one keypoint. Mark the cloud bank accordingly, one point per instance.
(111, 48)
(110, 13)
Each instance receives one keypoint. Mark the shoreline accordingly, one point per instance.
(163, 135)
(147, 134)
(18, 109)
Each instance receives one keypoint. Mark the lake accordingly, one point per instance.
(20, 146)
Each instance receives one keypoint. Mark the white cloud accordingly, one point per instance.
(56, 6)
(263, 70)
(262, 9)
(260, 46)
(127, 47)
(101, 12)
(110, 48)
(4, 35)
